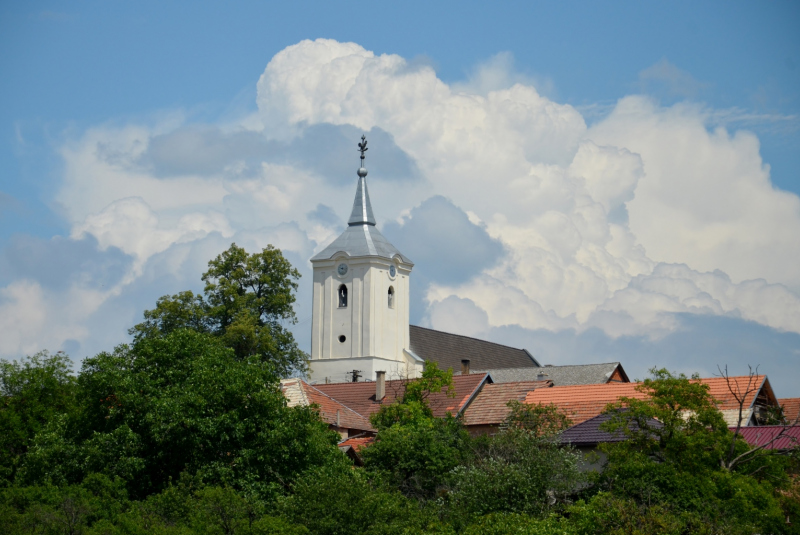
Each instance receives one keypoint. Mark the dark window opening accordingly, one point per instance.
(342, 296)
(391, 297)
(342, 338)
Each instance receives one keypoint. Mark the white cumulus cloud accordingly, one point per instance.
(624, 225)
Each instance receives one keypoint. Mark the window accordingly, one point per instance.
(391, 297)
(342, 296)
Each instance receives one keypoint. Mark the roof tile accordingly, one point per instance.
(582, 402)
(791, 409)
(333, 412)
(448, 350)
(490, 406)
(361, 396)
(581, 374)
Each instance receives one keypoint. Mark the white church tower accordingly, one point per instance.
(360, 313)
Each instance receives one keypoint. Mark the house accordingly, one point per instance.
(366, 398)
(583, 402)
(339, 417)
(755, 391)
(489, 409)
(578, 374)
(587, 435)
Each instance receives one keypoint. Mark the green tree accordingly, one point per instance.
(518, 470)
(413, 406)
(672, 461)
(338, 500)
(34, 390)
(248, 300)
(416, 449)
(175, 403)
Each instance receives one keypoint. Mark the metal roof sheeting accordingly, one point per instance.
(760, 435)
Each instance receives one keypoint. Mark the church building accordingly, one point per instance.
(360, 315)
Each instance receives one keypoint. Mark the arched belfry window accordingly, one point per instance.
(342, 296)
(391, 297)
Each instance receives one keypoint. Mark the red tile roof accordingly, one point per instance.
(757, 436)
(356, 442)
(791, 409)
(331, 411)
(361, 396)
(718, 388)
(582, 402)
(490, 406)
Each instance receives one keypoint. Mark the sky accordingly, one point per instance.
(595, 182)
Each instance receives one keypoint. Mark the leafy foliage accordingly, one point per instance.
(673, 462)
(181, 402)
(515, 471)
(34, 390)
(248, 298)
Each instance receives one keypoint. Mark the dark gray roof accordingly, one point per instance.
(580, 374)
(361, 238)
(448, 350)
(588, 433)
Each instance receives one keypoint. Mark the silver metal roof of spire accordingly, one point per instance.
(361, 238)
(362, 209)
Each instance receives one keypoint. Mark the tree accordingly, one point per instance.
(248, 299)
(413, 406)
(34, 390)
(177, 403)
(671, 460)
(739, 455)
(338, 500)
(522, 469)
(413, 446)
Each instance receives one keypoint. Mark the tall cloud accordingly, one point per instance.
(520, 214)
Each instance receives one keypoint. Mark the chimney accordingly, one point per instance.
(380, 385)
(464, 366)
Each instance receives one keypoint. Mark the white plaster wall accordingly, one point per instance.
(370, 326)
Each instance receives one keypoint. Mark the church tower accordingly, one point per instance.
(360, 312)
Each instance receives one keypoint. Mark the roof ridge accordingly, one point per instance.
(556, 366)
(468, 337)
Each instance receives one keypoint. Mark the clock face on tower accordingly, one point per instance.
(392, 271)
(342, 270)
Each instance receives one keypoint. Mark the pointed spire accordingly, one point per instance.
(362, 209)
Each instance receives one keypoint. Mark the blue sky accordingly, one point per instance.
(648, 214)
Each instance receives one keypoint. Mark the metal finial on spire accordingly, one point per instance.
(362, 210)
(363, 148)
(362, 171)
